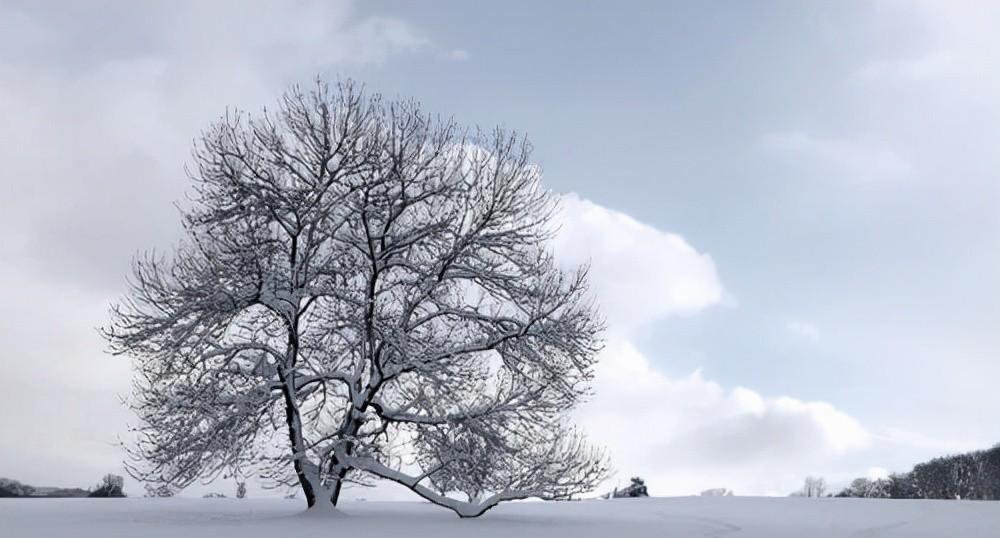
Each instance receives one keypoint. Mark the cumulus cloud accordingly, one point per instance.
(638, 273)
(686, 434)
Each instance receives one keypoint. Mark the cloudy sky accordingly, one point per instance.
(792, 209)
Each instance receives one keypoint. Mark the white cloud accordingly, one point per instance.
(688, 434)
(862, 158)
(803, 329)
(685, 434)
(638, 273)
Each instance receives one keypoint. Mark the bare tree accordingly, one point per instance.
(813, 487)
(371, 286)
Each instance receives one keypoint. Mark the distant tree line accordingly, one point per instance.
(13, 488)
(973, 475)
(110, 486)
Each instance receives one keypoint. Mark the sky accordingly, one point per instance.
(792, 209)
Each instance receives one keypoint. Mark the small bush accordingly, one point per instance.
(111, 485)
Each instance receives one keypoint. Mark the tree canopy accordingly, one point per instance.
(363, 290)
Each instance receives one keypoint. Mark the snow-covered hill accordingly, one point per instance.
(682, 517)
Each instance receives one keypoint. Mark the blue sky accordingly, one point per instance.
(822, 180)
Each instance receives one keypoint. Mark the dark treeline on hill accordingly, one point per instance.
(110, 486)
(973, 475)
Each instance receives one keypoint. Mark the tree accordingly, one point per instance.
(372, 286)
(813, 487)
(973, 475)
(111, 485)
(881, 488)
(901, 486)
(13, 488)
(637, 488)
(855, 489)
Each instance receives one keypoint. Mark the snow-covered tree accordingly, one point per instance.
(636, 488)
(973, 475)
(111, 485)
(901, 486)
(371, 287)
(881, 488)
(813, 487)
(13, 488)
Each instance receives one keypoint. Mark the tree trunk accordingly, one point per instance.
(294, 423)
(350, 429)
(295, 437)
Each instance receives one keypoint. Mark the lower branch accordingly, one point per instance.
(462, 508)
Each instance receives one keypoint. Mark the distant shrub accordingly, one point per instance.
(111, 485)
(636, 489)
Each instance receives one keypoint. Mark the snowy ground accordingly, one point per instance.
(729, 517)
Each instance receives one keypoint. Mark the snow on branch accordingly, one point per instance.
(370, 288)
